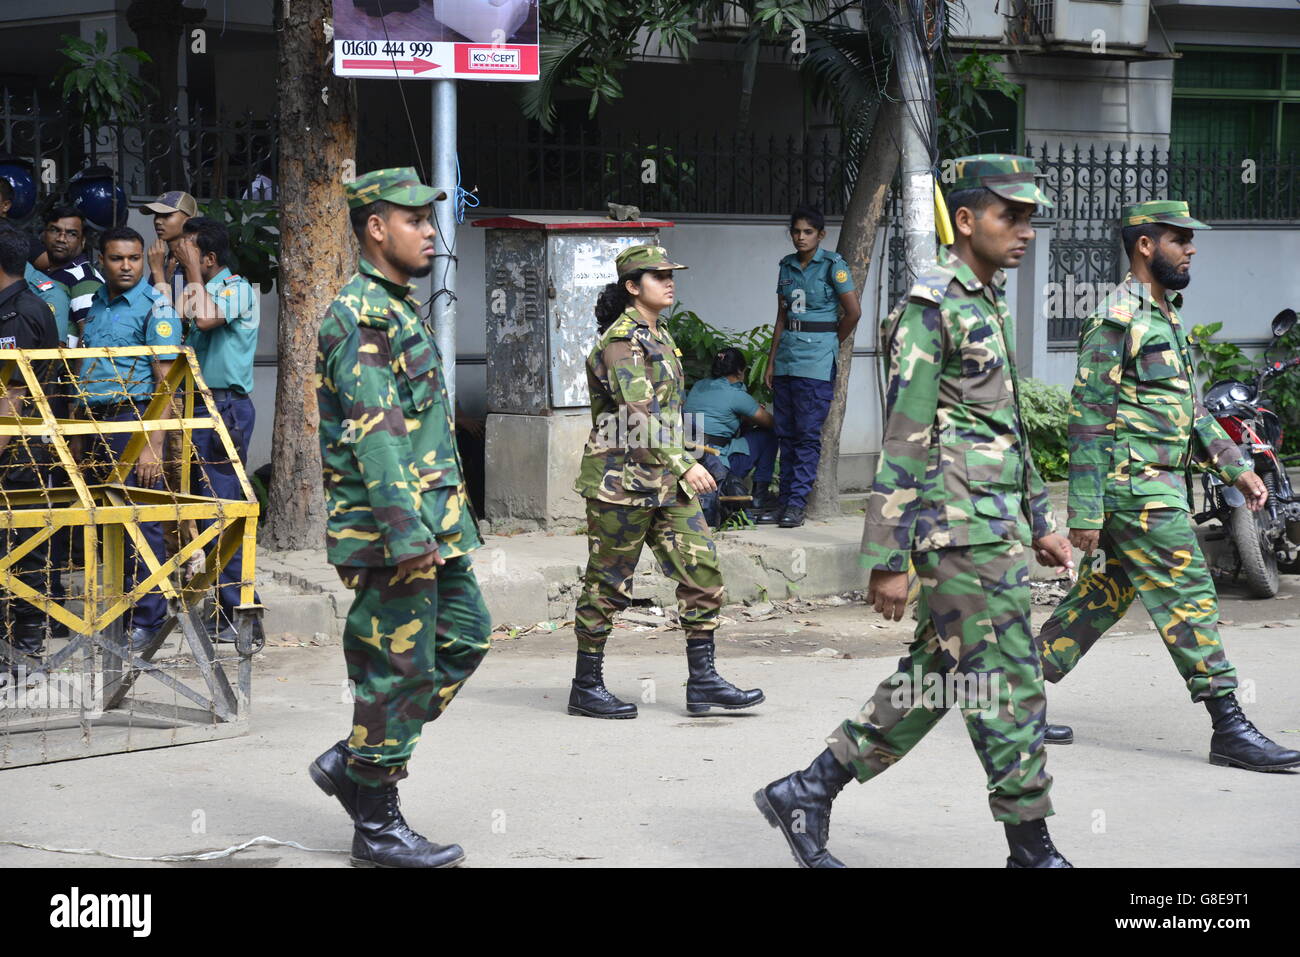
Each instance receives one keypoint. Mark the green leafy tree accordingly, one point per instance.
(1046, 409)
(100, 84)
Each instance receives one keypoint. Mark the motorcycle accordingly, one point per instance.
(1259, 544)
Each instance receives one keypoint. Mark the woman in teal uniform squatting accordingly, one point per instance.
(733, 422)
(813, 285)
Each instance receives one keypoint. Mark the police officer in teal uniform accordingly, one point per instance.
(813, 285)
(225, 314)
(732, 421)
(127, 311)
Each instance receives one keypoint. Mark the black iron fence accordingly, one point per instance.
(207, 156)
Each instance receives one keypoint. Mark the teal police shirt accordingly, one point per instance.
(56, 297)
(811, 296)
(721, 404)
(226, 353)
(138, 317)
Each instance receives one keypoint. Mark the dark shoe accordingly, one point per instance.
(733, 486)
(384, 839)
(792, 517)
(141, 639)
(589, 697)
(330, 772)
(1058, 734)
(772, 515)
(706, 689)
(1239, 744)
(799, 806)
(28, 636)
(1031, 846)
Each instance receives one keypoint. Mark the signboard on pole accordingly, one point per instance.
(436, 39)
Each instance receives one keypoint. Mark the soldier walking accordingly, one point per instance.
(640, 485)
(400, 528)
(956, 490)
(1136, 429)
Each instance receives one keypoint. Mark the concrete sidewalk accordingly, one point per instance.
(536, 576)
(519, 783)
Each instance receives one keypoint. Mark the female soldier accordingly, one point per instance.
(812, 285)
(640, 486)
(733, 422)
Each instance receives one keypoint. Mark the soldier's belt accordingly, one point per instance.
(798, 325)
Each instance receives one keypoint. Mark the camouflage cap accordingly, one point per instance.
(1007, 175)
(644, 257)
(1171, 212)
(398, 184)
(176, 201)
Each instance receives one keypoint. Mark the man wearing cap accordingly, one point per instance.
(400, 528)
(956, 492)
(170, 212)
(1136, 429)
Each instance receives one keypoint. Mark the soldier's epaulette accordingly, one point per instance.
(1119, 312)
(932, 285)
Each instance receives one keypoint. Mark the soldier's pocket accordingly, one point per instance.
(418, 383)
(642, 479)
(994, 483)
(1153, 470)
(1161, 379)
(984, 378)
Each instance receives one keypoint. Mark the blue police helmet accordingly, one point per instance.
(19, 176)
(101, 201)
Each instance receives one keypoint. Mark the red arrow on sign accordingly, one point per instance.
(415, 65)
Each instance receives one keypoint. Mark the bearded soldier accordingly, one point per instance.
(1136, 429)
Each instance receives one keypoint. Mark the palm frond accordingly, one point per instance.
(559, 59)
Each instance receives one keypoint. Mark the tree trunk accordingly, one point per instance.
(318, 138)
(857, 242)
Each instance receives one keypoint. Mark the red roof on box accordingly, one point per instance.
(567, 222)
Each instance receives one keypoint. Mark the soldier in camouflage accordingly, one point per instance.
(1136, 430)
(956, 492)
(640, 485)
(400, 528)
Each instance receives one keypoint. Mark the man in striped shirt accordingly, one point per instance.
(65, 260)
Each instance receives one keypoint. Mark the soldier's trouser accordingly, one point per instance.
(973, 636)
(410, 643)
(680, 539)
(1153, 555)
(800, 406)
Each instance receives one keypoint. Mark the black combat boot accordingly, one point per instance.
(330, 772)
(589, 697)
(1058, 734)
(705, 688)
(792, 517)
(29, 636)
(799, 806)
(772, 515)
(1239, 744)
(1031, 846)
(384, 839)
(763, 503)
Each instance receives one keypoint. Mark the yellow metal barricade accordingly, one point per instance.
(103, 511)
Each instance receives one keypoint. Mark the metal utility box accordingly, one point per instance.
(543, 274)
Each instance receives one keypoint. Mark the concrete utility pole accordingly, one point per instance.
(917, 176)
(443, 277)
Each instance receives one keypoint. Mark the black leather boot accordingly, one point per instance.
(384, 839)
(589, 697)
(799, 806)
(330, 772)
(706, 689)
(792, 517)
(772, 515)
(1058, 734)
(1239, 744)
(29, 636)
(1031, 846)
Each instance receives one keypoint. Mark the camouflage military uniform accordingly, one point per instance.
(394, 491)
(956, 491)
(1136, 429)
(631, 477)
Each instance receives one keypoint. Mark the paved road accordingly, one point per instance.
(519, 783)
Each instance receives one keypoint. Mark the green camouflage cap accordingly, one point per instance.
(644, 257)
(1007, 175)
(399, 185)
(1171, 212)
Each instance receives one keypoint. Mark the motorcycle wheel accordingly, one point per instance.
(1258, 561)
